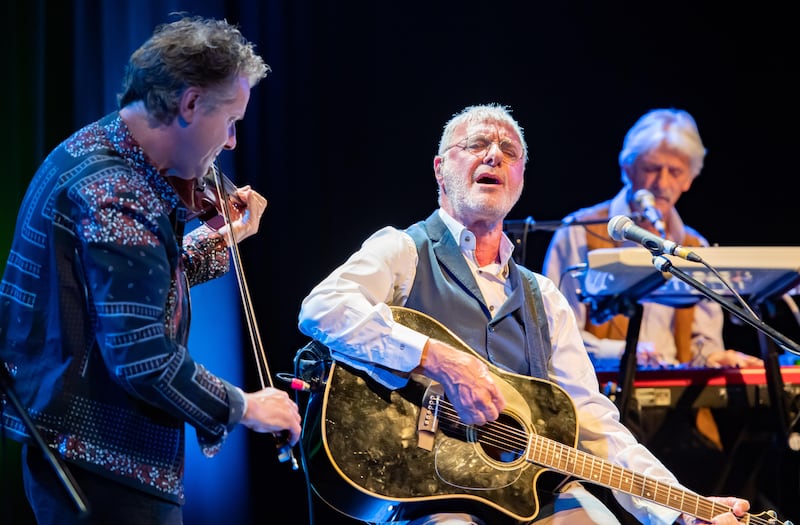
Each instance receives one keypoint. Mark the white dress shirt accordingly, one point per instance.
(348, 312)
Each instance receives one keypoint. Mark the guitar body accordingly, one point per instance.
(382, 455)
(373, 454)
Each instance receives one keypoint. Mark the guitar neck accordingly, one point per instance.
(568, 460)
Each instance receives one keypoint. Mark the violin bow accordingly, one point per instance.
(285, 452)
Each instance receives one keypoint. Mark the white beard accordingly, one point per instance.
(467, 203)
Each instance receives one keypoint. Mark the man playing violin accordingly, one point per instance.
(94, 313)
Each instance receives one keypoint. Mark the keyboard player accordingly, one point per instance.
(661, 156)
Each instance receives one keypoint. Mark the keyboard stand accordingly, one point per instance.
(628, 362)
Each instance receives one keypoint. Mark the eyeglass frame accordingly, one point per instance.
(465, 147)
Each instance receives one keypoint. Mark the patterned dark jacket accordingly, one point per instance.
(94, 315)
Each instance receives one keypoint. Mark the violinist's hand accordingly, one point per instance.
(272, 410)
(245, 222)
(467, 383)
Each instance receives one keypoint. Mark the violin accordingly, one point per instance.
(202, 197)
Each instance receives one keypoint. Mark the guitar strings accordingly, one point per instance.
(515, 441)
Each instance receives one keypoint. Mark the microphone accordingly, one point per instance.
(621, 227)
(647, 202)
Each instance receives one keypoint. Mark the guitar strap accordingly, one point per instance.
(535, 306)
(516, 337)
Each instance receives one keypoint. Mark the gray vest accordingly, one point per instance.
(517, 339)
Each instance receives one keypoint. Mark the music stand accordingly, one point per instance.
(64, 475)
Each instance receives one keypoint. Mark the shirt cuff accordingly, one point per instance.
(237, 403)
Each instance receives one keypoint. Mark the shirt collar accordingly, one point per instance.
(466, 240)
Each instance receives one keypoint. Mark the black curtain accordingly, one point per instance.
(340, 136)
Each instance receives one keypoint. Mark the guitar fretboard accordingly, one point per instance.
(568, 460)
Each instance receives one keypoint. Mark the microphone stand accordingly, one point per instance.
(524, 226)
(518, 231)
(64, 475)
(663, 264)
(772, 369)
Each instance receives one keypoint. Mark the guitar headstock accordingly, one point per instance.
(768, 517)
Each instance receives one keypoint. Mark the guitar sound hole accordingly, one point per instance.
(503, 440)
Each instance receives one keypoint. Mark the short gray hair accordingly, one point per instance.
(674, 128)
(484, 112)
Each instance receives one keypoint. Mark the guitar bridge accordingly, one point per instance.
(428, 420)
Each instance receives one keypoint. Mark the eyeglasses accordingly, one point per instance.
(478, 145)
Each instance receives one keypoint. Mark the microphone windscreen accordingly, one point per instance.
(644, 199)
(617, 226)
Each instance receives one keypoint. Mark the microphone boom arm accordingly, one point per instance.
(663, 264)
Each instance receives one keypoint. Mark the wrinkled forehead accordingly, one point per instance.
(665, 155)
(493, 129)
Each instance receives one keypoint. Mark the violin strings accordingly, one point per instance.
(264, 375)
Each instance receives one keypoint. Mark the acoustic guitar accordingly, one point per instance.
(379, 455)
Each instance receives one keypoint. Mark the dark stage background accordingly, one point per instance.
(341, 135)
